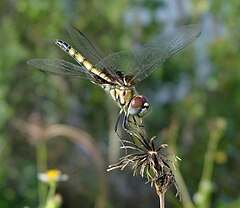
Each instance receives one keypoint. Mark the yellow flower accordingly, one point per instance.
(51, 176)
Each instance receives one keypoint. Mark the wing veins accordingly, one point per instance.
(61, 67)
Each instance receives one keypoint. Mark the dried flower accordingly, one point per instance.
(146, 159)
(163, 182)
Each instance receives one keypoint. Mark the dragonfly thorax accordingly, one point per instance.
(122, 95)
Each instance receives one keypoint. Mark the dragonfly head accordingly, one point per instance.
(139, 105)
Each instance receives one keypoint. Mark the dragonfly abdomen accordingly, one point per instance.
(81, 60)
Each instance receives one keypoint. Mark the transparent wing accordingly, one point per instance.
(136, 65)
(61, 67)
(84, 46)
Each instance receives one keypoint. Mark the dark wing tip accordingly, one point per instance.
(196, 29)
(198, 34)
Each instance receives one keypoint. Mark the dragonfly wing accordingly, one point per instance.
(85, 47)
(136, 65)
(61, 67)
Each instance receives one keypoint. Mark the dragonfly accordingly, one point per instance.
(119, 72)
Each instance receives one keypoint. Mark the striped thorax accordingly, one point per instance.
(120, 94)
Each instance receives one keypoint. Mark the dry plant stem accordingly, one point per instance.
(161, 200)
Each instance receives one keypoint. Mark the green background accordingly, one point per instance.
(195, 98)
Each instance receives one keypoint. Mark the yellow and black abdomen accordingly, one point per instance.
(82, 60)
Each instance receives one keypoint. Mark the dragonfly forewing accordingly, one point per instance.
(139, 64)
(84, 46)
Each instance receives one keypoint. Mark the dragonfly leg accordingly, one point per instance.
(135, 123)
(136, 131)
(125, 127)
(117, 122)
(116, 131)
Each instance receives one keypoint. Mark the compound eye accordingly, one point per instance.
(138, 106)
(137, 102)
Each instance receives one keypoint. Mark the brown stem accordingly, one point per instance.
(161, 200)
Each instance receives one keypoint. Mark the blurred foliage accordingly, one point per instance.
(194, 89)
